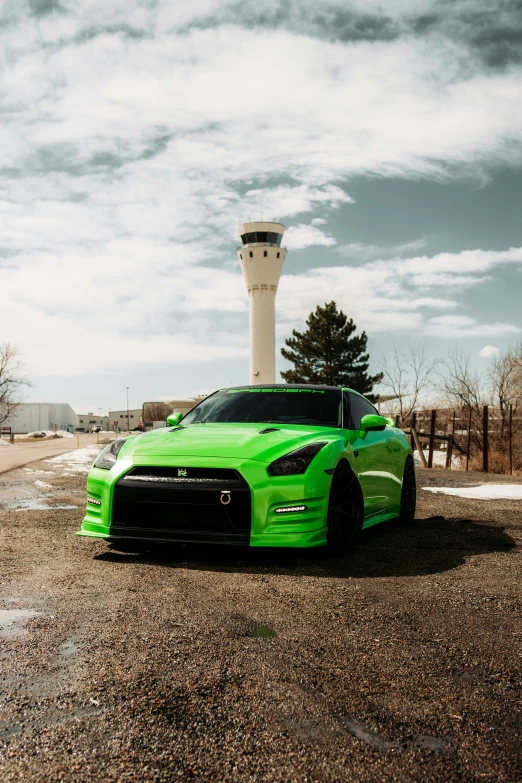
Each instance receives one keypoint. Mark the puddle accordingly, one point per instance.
(10, 620)
(437, 745)
(359, 730)
(69, 647)
(8, 730)
(31, 505)
(263, 632)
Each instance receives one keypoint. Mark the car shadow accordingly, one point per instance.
(425, 546)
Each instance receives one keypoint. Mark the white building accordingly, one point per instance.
(119, 420)
(261, 257)
(32, 416)
(86, 421)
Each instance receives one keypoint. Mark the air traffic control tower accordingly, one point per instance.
(261, 257)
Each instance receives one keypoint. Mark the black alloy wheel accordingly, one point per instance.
(345, 512)
(408, 493)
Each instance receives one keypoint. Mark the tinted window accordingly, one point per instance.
(359, 408)
(280, 405)
(261, 236)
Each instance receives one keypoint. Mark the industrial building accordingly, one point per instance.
(32, 416)
(86, 421)
(124, 420)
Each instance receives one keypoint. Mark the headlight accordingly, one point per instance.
(295, 462)
(109, 455)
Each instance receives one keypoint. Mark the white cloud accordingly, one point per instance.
(454, 326)
(358, 251)
(301, 236)
(488, 351)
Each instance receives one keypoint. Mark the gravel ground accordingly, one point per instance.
(398, 663)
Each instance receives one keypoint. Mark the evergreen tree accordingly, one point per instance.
(326, 353)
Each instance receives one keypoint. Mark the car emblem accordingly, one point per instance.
(182, 472)
(225, 497)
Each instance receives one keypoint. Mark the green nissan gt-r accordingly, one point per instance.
(272, 466)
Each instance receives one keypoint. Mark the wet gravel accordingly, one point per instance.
(399, 663)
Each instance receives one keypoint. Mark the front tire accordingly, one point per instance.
(345, 512)
(408, 493)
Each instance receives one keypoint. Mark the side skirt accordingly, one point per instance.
(391, 512)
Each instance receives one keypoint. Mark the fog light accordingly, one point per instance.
(94, 501)
(290, 509)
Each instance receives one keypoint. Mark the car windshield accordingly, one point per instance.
(274, 405)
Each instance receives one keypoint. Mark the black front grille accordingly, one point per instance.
(186, 475)
(206, 505)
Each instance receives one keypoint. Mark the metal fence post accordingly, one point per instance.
(432, 438)
(485, 440)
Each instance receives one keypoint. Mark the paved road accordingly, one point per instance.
(399, 663)
(20, 454)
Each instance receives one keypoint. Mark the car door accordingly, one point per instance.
(373, 458)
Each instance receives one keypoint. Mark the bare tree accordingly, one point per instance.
(155, 411)
(407, 375)
(12, 380)
(464, 388)
(462, 385)
(505, 378)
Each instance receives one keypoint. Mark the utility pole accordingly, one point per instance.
(128, 417)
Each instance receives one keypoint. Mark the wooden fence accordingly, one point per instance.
(421, 439)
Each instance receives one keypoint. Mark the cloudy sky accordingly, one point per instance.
(135, 134)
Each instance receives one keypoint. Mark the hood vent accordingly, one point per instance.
(269, 429)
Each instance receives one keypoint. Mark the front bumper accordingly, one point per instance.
(267, 528)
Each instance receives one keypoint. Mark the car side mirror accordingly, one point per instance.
(372, 423)
(174, 419)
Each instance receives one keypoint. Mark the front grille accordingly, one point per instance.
(156, 503)
(187, 476)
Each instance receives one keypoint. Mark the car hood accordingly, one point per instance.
(235, 441)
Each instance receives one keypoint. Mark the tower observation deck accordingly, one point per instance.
(261, 257)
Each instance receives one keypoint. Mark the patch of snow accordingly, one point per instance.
(78, 461)
(42, 485)
(483, 491)
(5, 443)
(439, 459)
(49, 434)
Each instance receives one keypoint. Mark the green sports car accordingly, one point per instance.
(260, 466)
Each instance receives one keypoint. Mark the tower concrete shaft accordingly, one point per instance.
(261, 257)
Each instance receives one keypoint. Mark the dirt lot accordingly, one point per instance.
(399, 663)
(25, 450)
